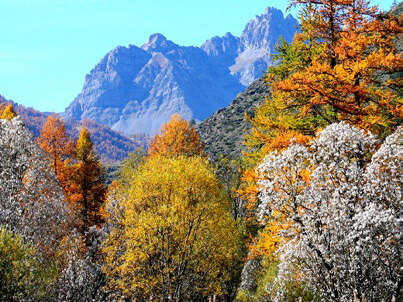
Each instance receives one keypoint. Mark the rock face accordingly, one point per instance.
(224, 131)
(137, 89)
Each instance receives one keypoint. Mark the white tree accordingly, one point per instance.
(31, 200)
(32, 204)
(342, 236)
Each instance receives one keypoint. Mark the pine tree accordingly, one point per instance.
(341, 66)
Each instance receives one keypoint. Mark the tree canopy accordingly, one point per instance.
(176, 138)
(179, 238)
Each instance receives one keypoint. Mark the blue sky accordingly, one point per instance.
(47, 46)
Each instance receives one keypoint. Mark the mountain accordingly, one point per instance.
(136, 89)
(223, 132)
(252, 54)
(110, 145)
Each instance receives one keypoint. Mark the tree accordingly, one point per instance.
(56, 143)
(7, 112)
(86, 186)
(130, 165)
(81, 278)
(178, 238)
(31, 200)
(350, 74)
(176, 138)
(341, 66)
(339, 236)
(60, 150)
(24, 275)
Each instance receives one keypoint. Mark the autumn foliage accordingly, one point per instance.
(7, 112)
(176, 137)
(87, 186)
(177, 238)
(57, 144)
(78, 171)
(341, 66)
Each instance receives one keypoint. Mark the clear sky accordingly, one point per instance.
(47, 46)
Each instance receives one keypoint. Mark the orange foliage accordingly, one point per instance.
(343, 82)
(56, 143)
(7, 111)
(176, 138)
(86, 183)
(341, 66)
(78, 171)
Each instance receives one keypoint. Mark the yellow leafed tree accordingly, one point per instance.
(177, 240)
(7, 112)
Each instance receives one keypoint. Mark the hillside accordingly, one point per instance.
(110, 145)
(137, 89)
(224, 131)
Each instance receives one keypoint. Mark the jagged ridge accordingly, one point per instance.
(136, 89)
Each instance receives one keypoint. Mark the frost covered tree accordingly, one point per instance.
(33, 208)
(337, 212)
(81, 279)
(31, 201)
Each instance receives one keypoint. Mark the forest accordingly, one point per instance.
(310, 212)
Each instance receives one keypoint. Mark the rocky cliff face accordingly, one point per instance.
(224, 131)
(136, 89)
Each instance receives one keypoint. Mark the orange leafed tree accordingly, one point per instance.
(56, 143)
(341, 66)
(352, 77)
(86, 183)
(176, 138)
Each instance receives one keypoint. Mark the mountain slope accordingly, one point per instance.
(110, 145)
(137, 89)
(224, 131)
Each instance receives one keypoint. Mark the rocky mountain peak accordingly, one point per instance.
(258, 42)
(263, 30)
(137, 89)
(218, 46)
(158, 42)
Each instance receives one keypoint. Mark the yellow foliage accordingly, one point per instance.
(177, 237)
(269, 239)
(84, 145)
(8, 112)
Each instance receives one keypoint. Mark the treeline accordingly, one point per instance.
(309, 213)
